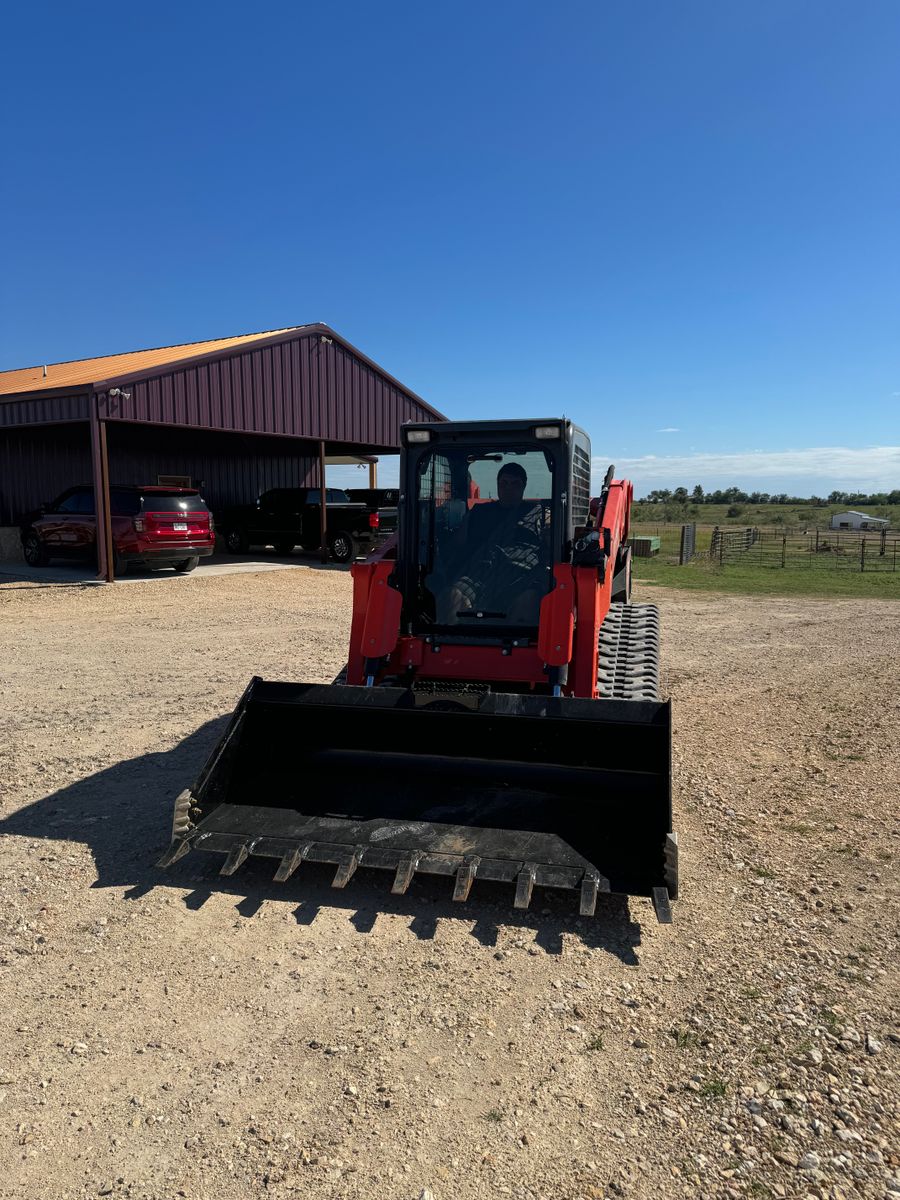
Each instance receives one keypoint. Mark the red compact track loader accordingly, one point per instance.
(499, 715)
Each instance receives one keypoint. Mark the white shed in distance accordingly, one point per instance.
(857, 520)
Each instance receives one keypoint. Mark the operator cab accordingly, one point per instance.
(488, 511)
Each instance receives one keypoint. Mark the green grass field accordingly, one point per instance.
(795, 579)
(765, 516)
(701, 575)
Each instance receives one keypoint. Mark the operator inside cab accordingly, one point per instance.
(500, 544)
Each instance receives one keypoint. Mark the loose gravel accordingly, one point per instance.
(184, 1035)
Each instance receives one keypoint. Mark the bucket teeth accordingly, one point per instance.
(465, 877)
(236, 855)
(661, 904)
(592, 883)
(405, 872)
(347, 868)
(178, 849)
(671, 865)
(525, 885)
(290, 862)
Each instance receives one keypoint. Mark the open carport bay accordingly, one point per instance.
(183, 1034)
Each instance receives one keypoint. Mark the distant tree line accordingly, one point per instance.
(734, 495)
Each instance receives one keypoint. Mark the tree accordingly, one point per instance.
(697, 494)
(680, 495)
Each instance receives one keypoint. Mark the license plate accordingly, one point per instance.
(180, 526)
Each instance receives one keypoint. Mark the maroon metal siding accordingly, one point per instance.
(43, 409)
(37, 464)
(234, 469)
(243, 419)
(300, 386)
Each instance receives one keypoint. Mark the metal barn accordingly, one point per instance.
(857, 520)
(238, 415)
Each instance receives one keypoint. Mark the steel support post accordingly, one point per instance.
(323, 518)
(100, 469)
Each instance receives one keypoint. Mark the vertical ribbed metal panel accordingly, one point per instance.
(234, 468)
(299, 387)
(39, 409)
(36, 464)
(310, 386)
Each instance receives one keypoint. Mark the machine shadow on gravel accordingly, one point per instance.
(124, 813)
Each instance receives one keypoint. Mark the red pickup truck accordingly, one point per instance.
(156, 526)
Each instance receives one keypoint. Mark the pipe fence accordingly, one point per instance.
(834, 550)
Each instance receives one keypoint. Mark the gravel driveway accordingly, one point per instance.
(179, 1034)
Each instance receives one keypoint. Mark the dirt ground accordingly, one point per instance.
(181, 1035)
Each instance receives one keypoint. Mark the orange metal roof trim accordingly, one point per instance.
(92, 370)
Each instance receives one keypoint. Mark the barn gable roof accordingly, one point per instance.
(86, 374)
(86, 371)
(304, 381)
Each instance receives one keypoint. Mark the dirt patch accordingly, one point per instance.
(186, 1035)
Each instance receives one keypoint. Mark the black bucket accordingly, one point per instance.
(515, 788)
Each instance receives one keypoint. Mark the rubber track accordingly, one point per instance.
(628, 663)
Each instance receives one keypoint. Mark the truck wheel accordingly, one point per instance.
(34, 551)
(186, 564)
(236, 541)
(283, 548)
(342, 547)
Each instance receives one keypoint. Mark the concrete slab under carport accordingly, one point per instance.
(85, 574)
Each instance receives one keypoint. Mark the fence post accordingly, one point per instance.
(862, 555)
(817, 540)
(783, 548)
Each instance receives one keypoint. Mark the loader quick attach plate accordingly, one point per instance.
(526, 790)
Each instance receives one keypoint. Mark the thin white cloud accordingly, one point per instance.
(800, 472)
(874, 469)
(669, 429)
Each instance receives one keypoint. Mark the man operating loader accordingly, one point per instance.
(503, 544)
(500, 718)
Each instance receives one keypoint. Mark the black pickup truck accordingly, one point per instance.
(287, 517)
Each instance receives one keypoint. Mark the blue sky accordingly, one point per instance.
(675, 222)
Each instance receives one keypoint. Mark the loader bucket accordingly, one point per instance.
(522, 789)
